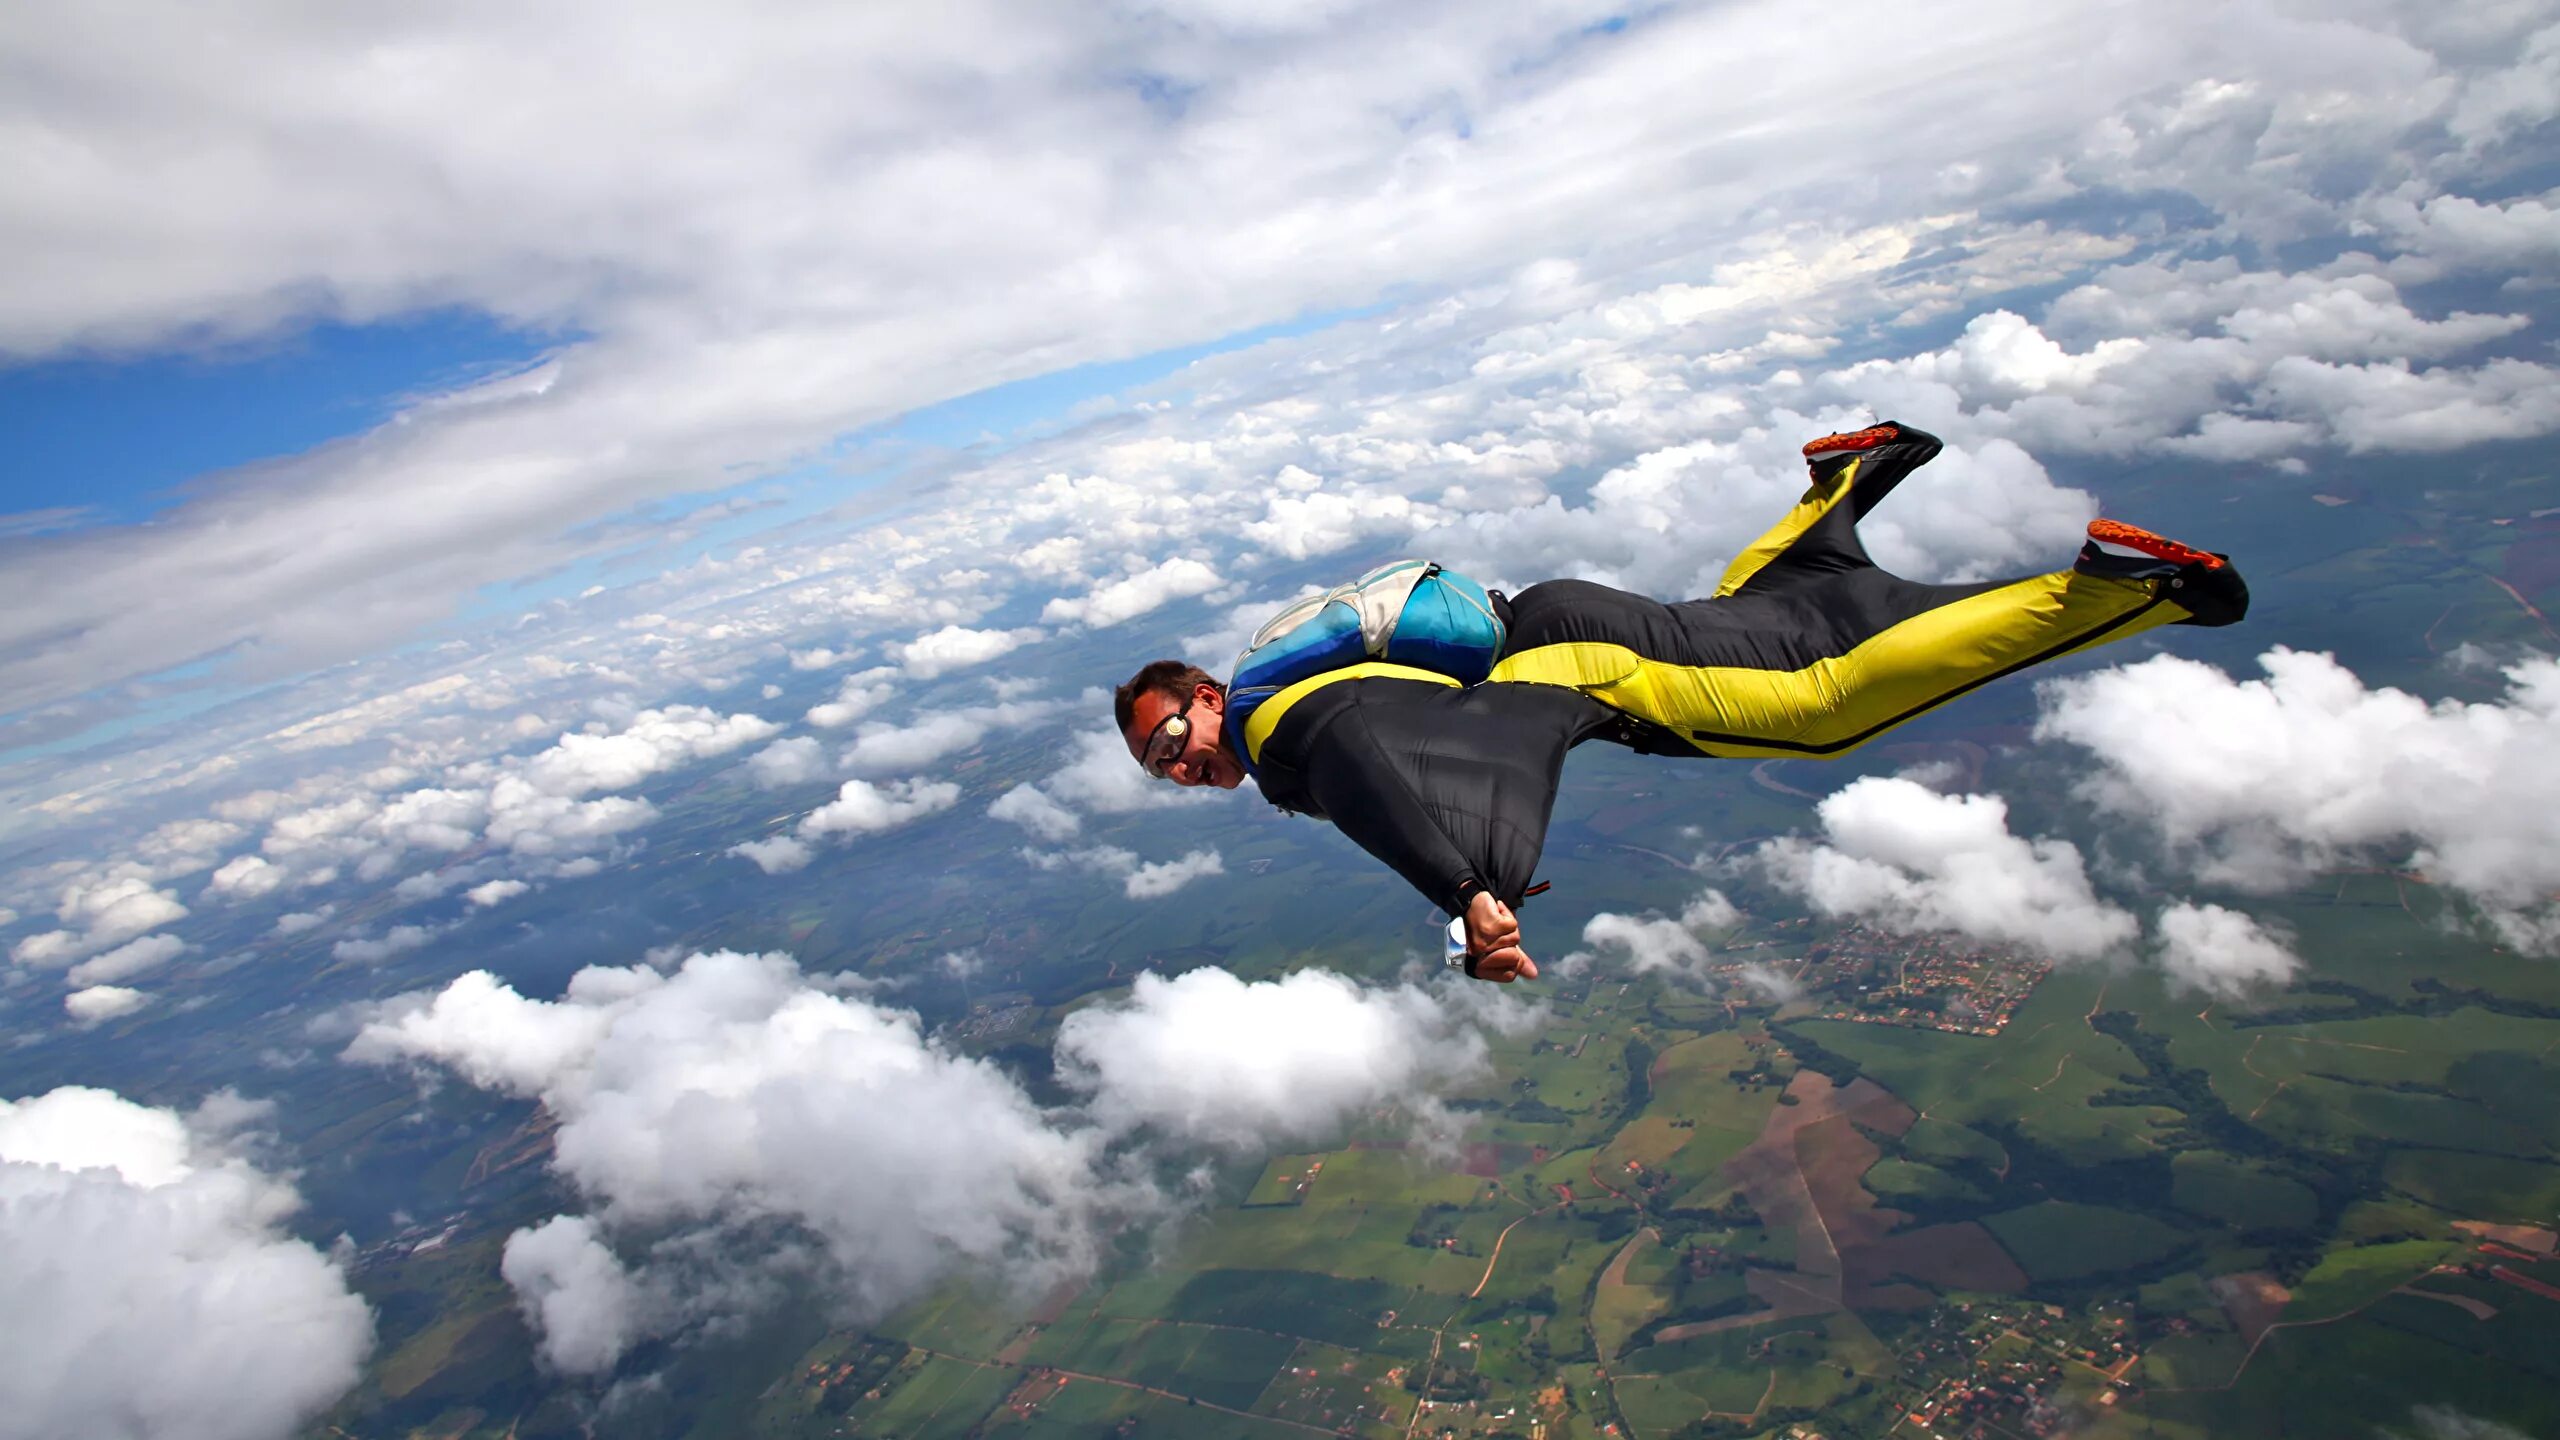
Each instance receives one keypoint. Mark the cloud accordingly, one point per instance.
(495, 892)
(152, 1289)
(1157, 879)
(2224, 953)
(879, 749)
(398, 940)
(98, 915)
(861, 807)
(775, 855)
(2445, 1422)
(795, 761)
(134, 957)
(1099, 776)
(101, 1003)
(730, 1121)
(245, 877)
(532, 822)
(1033, 810)
(1139, 880)
(299, 921)
(1322, 522)
(731, 1094)
(956, 647)
(1255, 1066)
(857, 695)
(2259, 783)
(577, 1295)
(655, 741)
(1901, 855)
(1128, 598)
(1653, 943)
(728, 354)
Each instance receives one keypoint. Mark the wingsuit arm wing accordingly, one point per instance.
(1370, 798)
(1451, 788)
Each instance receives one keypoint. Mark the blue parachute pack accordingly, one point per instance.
(1411, 612)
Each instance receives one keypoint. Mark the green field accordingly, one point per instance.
(2058, 1240)
(2217, 1187)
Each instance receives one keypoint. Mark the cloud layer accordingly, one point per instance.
(704, 1111)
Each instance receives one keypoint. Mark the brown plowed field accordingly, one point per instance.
(1804, 1174)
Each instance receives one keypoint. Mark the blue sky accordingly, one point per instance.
(112, 437)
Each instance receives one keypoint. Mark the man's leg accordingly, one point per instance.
(1899, 648)
(1851, 472)
(1809, 650)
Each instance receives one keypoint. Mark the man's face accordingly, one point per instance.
(1199, 755)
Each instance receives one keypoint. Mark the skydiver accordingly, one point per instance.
(1806, 650)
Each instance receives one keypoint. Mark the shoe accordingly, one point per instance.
(1850, 442)
(1889, 450)
(2199, 582)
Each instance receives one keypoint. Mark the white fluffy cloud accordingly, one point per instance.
(655, 741)
(99, 915)
(1650, 943)
(1156, 879)
(1247, 1066)
(731, 1093)
(134, 957)
(957, 647)
(495, 892)
(153, 1292)
(701, 1110)
(861, 807)
(775, 854)
(372, 950)
(1134, 595)
(2256, 783)
(101, 1003)
(246, 877)
(879, 749)
(1139, 880)
(795, 761)
(1099, 776)
(1033, 810)
(2222, 952)
(300, 921)
(1904, 856)
(857, 695)
(582, 1302)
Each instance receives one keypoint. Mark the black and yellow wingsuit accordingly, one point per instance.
(1805, 650)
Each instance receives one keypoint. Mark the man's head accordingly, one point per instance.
(1173, 717)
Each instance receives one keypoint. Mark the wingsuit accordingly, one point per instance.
(1806, 650)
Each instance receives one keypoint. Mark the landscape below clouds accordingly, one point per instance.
(639, 809)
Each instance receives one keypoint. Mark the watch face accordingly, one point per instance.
(1456, 954)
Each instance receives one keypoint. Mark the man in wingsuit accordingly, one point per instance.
(1806, 650)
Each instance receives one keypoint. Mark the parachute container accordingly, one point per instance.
(1410, 612)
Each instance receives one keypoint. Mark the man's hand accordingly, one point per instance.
(1493, 938)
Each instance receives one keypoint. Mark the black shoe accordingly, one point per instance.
(2200, 582)
(1888, 450)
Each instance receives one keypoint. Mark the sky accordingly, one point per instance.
(433, 429)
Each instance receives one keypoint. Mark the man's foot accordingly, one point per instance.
(1886, 451)
(2197, 581)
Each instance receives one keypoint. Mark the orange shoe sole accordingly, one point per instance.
(2158, 547)
(1867, 439)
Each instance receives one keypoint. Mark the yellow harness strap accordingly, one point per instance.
(1257, 731)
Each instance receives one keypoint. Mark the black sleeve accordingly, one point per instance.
(1450, 788)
